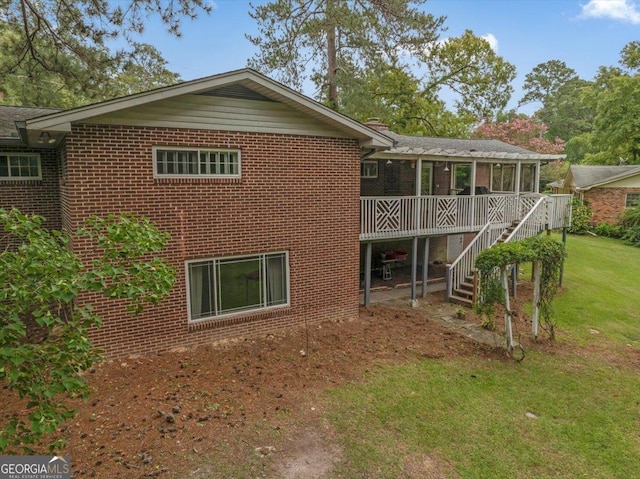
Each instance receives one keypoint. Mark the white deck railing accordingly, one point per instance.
(405, 216)
(464, 264)
(558, 211)
(539, 213)
(388, 217)
(534, 222)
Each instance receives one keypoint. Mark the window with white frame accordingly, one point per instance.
(20, 166)
(369, 169)
(224, 286)
(527, 177)
(633, 199)
(461, 176)
(426, 175)
(196, 162)
(503, 177)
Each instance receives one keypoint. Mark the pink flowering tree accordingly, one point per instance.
(527, 133)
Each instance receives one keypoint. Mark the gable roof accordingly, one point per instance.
(9, 115)
(244, 84)
(585, 177)
(457, 147)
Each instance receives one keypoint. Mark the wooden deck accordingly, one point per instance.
(388, 217)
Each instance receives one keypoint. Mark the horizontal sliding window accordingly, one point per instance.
(20, 166)
(224, 286)
(197, 162)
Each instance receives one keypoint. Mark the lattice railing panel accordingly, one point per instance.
(388, 215)
(446, 211)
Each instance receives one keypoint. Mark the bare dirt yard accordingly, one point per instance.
(249, 408)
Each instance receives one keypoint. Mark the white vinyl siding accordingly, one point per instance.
(20, 166)
(225, 114)
(225, 286)
(169, 162)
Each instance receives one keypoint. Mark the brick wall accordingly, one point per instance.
(298, 194)
(607, 204)
(35, 196)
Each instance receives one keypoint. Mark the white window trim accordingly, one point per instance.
(534, 177)
(198, 150)
(244, 312)
(429, 166)
(369, 162)
(454, 166)
(626, 199)
(21, 178)
(501, 167)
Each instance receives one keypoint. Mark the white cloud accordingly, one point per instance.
(493, 41)
(623, 10)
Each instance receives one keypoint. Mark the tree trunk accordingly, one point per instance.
(332, 66)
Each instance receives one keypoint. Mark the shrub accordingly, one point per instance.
(609, 231)
(44, 344)
(630, 225)
(580, 217)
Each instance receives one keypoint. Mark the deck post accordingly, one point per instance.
(414, 269)
(425, 267)
(514, 280)
(507, 310)
(564, 242)
(536, 300)
(367, 274)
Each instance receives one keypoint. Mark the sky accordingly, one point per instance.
(585, 34)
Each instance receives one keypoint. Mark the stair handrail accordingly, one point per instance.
(467, 258)
(528, 224)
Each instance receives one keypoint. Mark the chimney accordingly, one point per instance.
(376, 124)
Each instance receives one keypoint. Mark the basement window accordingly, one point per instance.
(225, 286)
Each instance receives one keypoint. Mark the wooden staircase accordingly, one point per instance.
(465, 293)
(507, 232)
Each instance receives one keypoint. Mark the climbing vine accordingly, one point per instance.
(548, 252)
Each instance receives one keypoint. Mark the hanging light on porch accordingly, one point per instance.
(446, 166)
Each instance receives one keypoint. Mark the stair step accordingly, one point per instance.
(463, 292)
(465, 285)
(461, 300)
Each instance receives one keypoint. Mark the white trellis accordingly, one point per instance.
(508, 327)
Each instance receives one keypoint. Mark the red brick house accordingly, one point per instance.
(608, 190)
(267, 196)
(257, 185)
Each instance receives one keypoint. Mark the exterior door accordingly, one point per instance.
(426, 175)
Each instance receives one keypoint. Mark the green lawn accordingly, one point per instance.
(559, 414)
(602, 280)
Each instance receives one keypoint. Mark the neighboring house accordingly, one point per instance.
(608, 190)
(266, 194)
